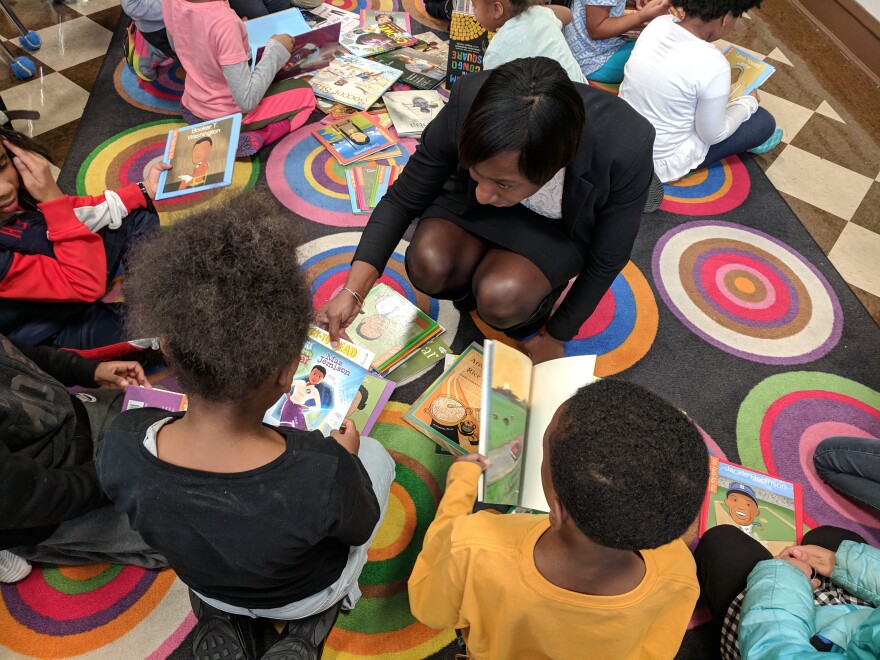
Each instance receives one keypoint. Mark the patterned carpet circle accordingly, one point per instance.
(62, 611)
(712, 190)
(308, 180)
(381, 625)
(325, 261)
(357, 5)
(161, 95)
(747, 293)
(786, 416)
(127, 156)
(620, 331)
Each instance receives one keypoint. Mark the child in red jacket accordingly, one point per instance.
(58, 253)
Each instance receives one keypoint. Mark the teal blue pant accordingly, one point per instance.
(612, 70)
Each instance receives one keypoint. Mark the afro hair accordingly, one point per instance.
(224, 291)
(709, 10)
(629, 467)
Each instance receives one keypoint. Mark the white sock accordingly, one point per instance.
(12, 567)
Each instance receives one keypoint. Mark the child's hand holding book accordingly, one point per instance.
(348, 436)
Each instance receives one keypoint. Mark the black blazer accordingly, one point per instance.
(604, 193)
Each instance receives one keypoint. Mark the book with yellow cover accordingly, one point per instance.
(747, 73)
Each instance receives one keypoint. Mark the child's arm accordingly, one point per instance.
(248, 87)
(717, 118)
(562, 13)
(600, 25)
(437, 581)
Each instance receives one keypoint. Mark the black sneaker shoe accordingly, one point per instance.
(222, 636)
(655, 195)
(303, 639)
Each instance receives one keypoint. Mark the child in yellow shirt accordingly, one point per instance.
(605, 575)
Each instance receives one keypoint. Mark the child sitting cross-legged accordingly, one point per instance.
(257, 521)
(525, 29)
(605, 575)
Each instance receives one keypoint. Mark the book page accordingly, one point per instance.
(553, 383)
(507, 379)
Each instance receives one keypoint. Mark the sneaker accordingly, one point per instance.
(655, 195)
(249, 143)
(771, 143)
(13, 568)
(303, 639)
(222, 636)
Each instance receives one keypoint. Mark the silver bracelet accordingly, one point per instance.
(358, 297)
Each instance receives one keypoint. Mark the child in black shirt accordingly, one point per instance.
(257, 521)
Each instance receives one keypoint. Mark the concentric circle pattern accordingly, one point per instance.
(620, 331)
(71, 610)
(712, 190)
(747, 293)
(308, 180)
(161, 95)
(382, 625)
(326, 260)
(127, 156)
(357, 5)
(786, 416)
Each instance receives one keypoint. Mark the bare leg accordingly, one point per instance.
(442, 258)
(509, 288)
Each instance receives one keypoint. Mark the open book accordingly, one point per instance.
(518, 402)
(747, 73)
(260, 30)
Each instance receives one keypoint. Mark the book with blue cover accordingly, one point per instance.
(260, 30)
(747, 73)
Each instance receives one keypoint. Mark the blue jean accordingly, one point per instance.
(753, 132)
(78, 325)
(612, 70)
(851, 466)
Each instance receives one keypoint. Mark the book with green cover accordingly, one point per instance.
(426, 357)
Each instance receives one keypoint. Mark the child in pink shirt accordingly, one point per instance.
(212, 44)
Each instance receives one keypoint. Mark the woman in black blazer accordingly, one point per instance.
(523, 181)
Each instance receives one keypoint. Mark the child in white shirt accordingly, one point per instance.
(523, 29)
(680, 82)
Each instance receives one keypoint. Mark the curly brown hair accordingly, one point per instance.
(224, 291)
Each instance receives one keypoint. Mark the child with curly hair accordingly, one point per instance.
(58, 253)
(211, 42)
(606, 566)
(257, 521)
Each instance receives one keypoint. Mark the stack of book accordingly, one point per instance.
(411, 112)
(356, 138)
(367, 184)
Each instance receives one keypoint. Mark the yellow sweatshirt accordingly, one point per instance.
(477, 572)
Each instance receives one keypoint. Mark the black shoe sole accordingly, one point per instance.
(303, 639)
(216, 640)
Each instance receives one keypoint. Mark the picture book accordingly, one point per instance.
(353, 81)
(202, 156)
(327, 14)
(374, 39)
(392, 327)
(325, 384)
(431, 43)
(260, 30)
(399, 19)
(747, 73)
(411, 112)
(147, 397)
(468, 41)
(361, 180)
(372, 395)
(449, 410)
(768, 509)
(518, 401)
(420, 70)
(311, 51)
(419, 364)
(351, 138)
(385, 176)
(357, 354)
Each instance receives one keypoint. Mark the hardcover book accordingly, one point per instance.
(468, 41)
(153, 397)
(747, 73)
(326, 14)
(420, 70)
(353, 81)
(768, 509)
(260, 30)
(431, 43)
(354, 137)
(411, 112)
(374, 39)
(399, 19)
(312, 50)
(371, 397)
(202, 156)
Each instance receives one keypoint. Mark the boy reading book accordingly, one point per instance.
(258, 521)
(605, 575)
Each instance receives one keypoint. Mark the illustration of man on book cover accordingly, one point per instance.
(200, 156)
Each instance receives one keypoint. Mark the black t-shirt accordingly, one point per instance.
(262, 538)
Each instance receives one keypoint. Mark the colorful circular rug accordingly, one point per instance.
(620, 331)
(325, 262)
(747, 293)
(381, 625)
(127, 156)
(308, 180)
(95, 611)
(786, 416)
(712, 190)
(161, 95)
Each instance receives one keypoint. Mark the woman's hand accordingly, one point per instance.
(34, 172)
(120, 374)
(542, 348)
(815, 556)
(479, 459)
(337, 315)
(151, 182)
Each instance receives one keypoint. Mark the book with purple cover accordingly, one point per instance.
(145, 397)
(311, 51)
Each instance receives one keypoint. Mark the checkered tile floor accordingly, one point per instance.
(828, 168)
